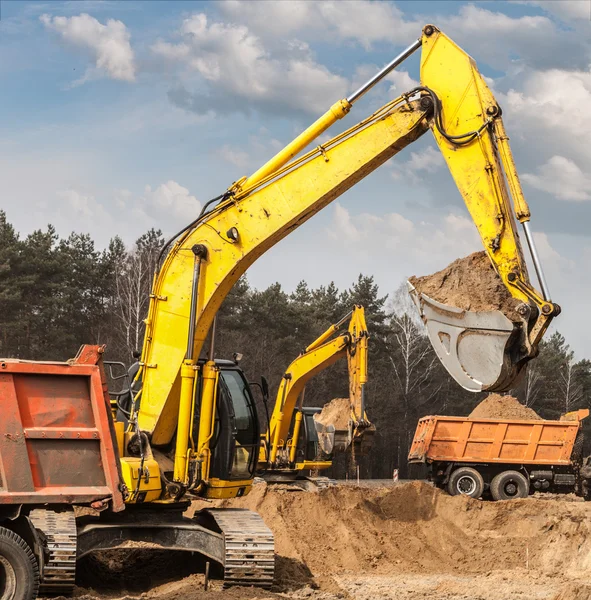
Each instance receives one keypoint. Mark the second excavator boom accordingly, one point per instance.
(279, 452)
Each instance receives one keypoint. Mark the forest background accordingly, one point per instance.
(57, 294)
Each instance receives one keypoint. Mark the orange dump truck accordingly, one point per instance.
(504, 458)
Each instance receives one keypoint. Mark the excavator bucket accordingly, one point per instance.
(326, 437)
(475, 347)
(331, 440)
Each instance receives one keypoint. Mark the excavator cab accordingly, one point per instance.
(235, 442)
(309, 446)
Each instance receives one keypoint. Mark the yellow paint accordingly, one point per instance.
(119, 436)
(477, 168)
(149, 479)
(262, 218)
(188, 372)
(219, 489)
(315, 465)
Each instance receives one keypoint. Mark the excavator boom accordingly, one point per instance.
(481, 350)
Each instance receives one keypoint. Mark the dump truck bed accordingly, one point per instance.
(462, 439)
(57, 442)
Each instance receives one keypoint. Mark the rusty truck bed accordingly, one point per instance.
(56, 439)
(461, 439)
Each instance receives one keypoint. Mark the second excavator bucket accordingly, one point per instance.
(332, 440)
(476, 348)
(326, 437)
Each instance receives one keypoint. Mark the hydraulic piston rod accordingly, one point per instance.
(381, 74)
(333, 114)
(536, 260)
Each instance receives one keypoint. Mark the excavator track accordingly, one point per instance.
(59, 530)
(249, 547)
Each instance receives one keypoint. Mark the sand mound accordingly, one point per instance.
(469, 283)
(376, 541)
(337, 412)
(495, 406)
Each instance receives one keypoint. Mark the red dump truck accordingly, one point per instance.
(504, 458)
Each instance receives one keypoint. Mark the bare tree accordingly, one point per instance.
(133, 285)
(413, 362)
(532, 385)
(570, 385)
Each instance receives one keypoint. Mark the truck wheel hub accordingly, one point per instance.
(7, 580)
(466, 485)
(511, 488)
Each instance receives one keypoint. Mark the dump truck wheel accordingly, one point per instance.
(19, 572)
(509, 485)
(465, 481)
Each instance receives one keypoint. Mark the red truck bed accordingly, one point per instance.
(56, 439)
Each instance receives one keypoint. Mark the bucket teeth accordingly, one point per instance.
(474, 347)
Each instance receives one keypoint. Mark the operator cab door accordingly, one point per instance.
(236, 437)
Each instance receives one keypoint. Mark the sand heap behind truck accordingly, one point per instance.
(504, 457)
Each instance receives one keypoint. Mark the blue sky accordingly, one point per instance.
(118, 116)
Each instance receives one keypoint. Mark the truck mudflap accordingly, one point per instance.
(249, 547)
(58, 529)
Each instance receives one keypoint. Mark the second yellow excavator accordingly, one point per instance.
(296, 440)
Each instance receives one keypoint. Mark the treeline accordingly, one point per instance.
(57, 294)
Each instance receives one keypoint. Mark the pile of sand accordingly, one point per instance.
(495, 406)
(410, 531)
(337, 412)
(469, 283)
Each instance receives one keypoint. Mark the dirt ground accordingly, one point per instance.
(407, 541)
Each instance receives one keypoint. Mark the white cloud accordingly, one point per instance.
(500, 40)
(81, 205)
(239, 73)
(108, 45)
(565, 10)
(362, 21)
(563, 178)
(432, 243)
(401, 81)
(172, 198)
(550, 111)
(234, 156)
(426, 161)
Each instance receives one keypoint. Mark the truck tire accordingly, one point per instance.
(19, 572)
(509, 485)
(465, 481)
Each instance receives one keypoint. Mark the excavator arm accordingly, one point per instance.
(319, 355)
(211, 253)
(482, 351)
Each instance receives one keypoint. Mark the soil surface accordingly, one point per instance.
(337, 412)
(408, 541)
(469, 283)
(496, 406)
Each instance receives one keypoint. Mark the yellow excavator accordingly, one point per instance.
(191, 428)
(295, 440)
